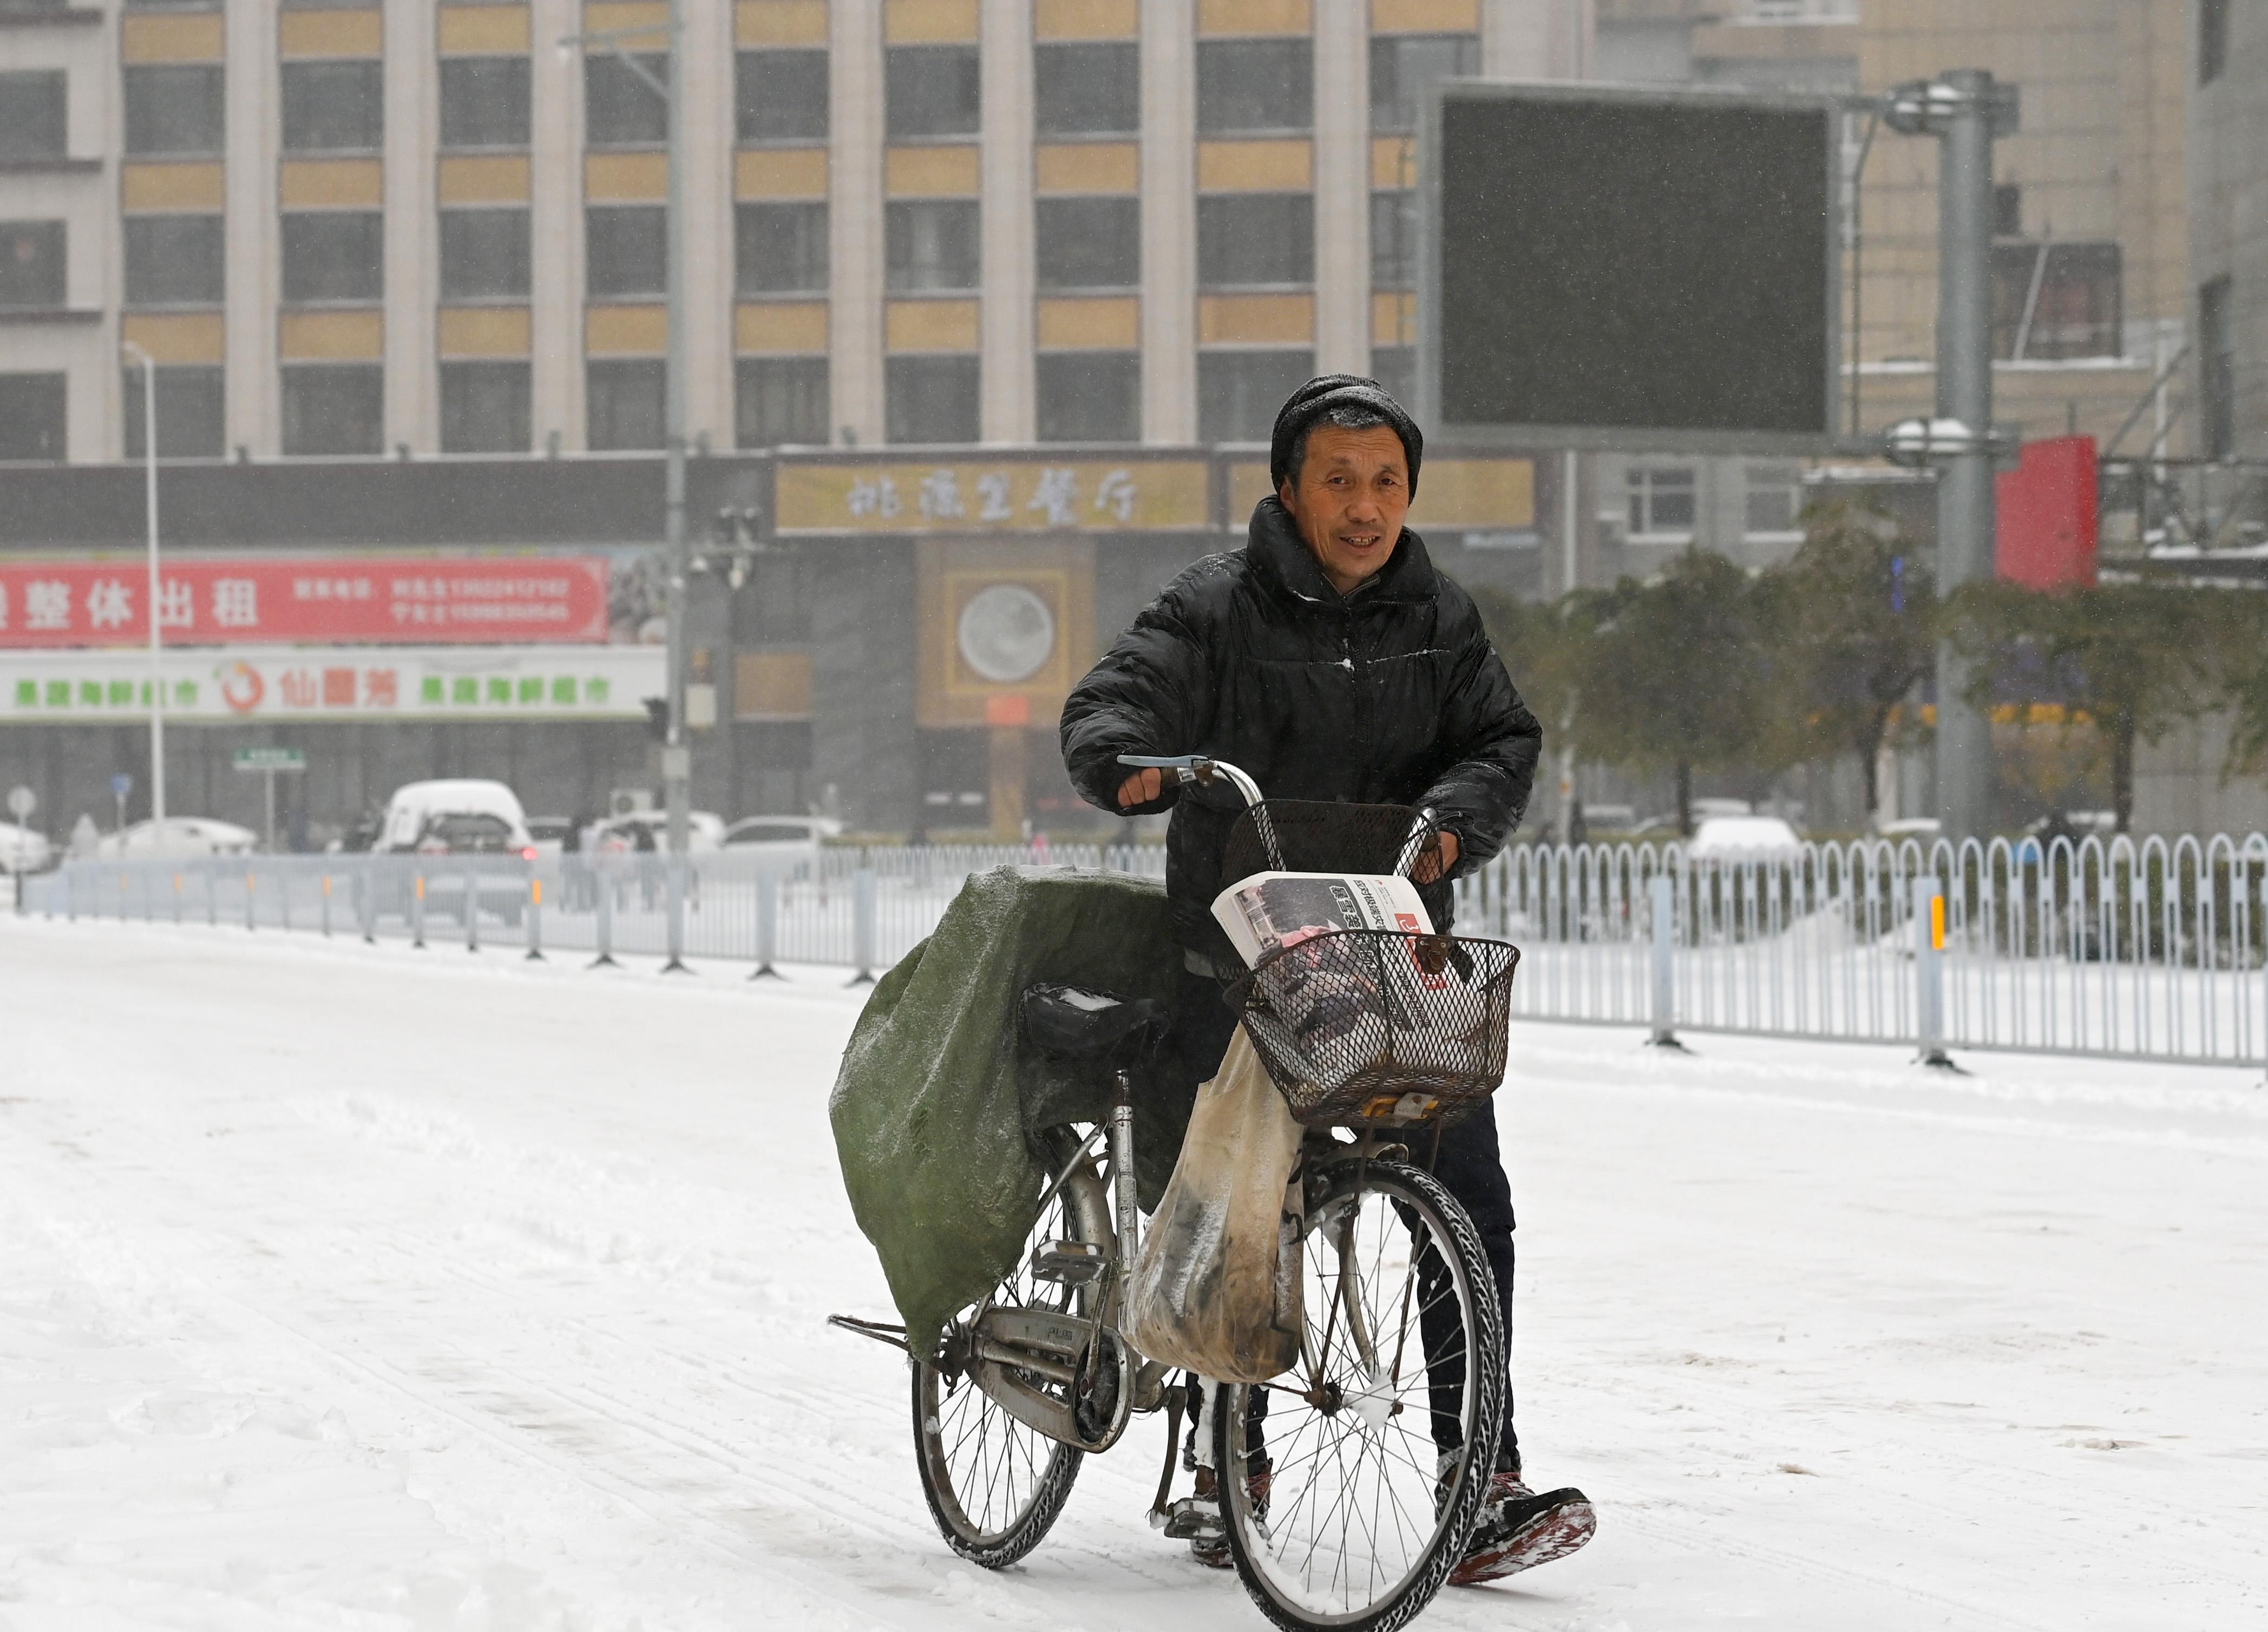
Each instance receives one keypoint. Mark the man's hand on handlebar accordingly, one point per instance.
(1144, 787)
(1435, 860)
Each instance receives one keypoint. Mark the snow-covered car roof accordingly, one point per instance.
(1743, 836)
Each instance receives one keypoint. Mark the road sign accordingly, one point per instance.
(1632, 268)
(22, 802)
(271, 760)
(120, 786)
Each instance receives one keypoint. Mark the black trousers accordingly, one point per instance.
(1468, 1161)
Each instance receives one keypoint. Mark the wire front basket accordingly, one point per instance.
(1369, 1026)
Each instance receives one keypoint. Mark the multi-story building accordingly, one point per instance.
(349, 230)
(2228, 254)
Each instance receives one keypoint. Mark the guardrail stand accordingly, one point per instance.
(604, 927)
(1661, 893)
(534, 918)
(471, 910)
(677, 888)
(767, 926)
(862, 925)
(1929, 974)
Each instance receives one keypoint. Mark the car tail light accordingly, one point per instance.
(528, 854)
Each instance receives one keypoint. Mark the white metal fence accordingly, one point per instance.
(2155, 950)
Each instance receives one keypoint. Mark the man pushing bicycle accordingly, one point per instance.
(1331, 660)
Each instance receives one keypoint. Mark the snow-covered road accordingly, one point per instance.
(347, 1287)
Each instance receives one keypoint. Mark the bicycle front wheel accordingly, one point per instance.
(1350, 1487)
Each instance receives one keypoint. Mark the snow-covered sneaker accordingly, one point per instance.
(1519, 1529)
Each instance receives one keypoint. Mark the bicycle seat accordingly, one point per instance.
(1078, 1024)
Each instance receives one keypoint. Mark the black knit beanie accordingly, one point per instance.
(1318, 397)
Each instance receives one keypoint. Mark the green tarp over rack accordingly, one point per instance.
(937, 1093)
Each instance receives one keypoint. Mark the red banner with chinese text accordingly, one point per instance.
(294, 601)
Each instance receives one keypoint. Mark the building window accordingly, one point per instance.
(484, 254)
(333, 407)
(175, 261)
(780, 249)
(2212, 40)
(932, 91)
(2216, 369)
(1394, 240)
(1090, 396)
(33, 125)
(189, 422)
(1661, 504)
(1775, 501)
(626, 249)
(31, 416)
(932, 244)
(484, 101)
(1089, 88)
(1395, 368)
(1402, 65)
(173, 108)
(333, 107)
(2057, 300)
(1265, 238)
(619, 108)
(779, 401)
(31, 263)
(1247, 86)
(333, 255)
(931, 399)
(1238, 392)
(484, 407)
(780, 96)
(625, 396)
(1088, 243)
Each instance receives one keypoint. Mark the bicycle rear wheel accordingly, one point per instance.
(995, 1484)
(1350, 1487)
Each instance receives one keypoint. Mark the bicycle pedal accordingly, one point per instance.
(1068, 1263)
(1193, 1518)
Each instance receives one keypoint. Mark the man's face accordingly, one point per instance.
(1353, 493)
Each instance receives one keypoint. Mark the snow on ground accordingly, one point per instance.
(348, 1287)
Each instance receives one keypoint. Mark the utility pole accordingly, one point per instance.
(1966, 110)
(157, 671)
(676, 753)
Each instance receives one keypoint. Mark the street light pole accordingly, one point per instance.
(1965, 108)
(156, 673)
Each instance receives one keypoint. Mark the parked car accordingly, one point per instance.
(464, 817)
(788, 840)
(184, 836)
(1743, 838)
(1922, 829)
(649, 830)
(24, 849)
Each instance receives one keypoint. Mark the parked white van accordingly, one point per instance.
(461, 816)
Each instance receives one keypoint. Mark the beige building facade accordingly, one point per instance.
(431, 228)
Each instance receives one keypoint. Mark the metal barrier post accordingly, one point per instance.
(862, 925)
(213, 896)
(284, 895)
(177, 897)
(677, 865)
(767, 926)
(71, 895)
(327, 904)
(248, 898)
(366, 882)
(1661, 892)
(604, 929)
(534, 917)
(472, 909)
(1929, 973)
(418, 912)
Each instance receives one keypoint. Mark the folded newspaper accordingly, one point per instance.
(1344, 1001)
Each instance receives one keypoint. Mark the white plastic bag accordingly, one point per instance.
(1216, 1289)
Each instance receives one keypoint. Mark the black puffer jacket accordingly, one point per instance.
(1391, 695)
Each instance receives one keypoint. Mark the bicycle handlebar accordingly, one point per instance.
(1196, 767)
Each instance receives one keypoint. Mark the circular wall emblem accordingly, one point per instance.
(1006, 633)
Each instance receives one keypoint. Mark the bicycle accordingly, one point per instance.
(1340, 1513)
